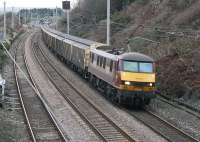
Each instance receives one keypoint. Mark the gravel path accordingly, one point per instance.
(131, 125)
(70, 122)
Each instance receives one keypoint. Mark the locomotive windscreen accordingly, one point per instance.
(132, 66)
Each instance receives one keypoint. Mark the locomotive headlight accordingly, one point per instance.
(127, 83)
(151, 84)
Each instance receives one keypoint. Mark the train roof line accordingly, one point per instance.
(104, 54)
(73, 38)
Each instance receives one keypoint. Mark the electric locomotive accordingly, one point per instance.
(127, 78)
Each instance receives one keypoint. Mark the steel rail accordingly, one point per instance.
(83, 97)
(172, 126)
(180, 105)
(51, 115)
(163, 122)
(22, 102)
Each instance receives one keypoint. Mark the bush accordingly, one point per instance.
(119, 21)
(120, 18)
(142, 2)
(181, 4)
(3, 54)
(2, 58)
(184, 46)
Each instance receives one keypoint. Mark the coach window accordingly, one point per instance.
(101, 61)
(104, 63)
(98, 60)
(111, 65)
(92, 57)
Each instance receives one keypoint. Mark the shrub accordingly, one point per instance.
(120, 18)
(3, 54)
(142, 2)
(181, 4)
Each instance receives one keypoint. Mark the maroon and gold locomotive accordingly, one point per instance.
(126, 78)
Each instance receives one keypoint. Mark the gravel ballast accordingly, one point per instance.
(12, 123)
(180, 118)
(73, 126)
(133, 127)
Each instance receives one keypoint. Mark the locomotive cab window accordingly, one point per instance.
(132, 66)
(146, 67)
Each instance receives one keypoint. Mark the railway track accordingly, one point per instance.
(157, 124)
(179, 105)
(11, 101)
(161, 126)
(11, 97)
(105, 128)
(39, 119)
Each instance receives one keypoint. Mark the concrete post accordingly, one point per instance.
(25, 20)
(108, 22)
(67, 21)
(19, 18)
(12, 23)
(56, 17)
(4, 20)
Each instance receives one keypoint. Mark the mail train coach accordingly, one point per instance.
(124, 78)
